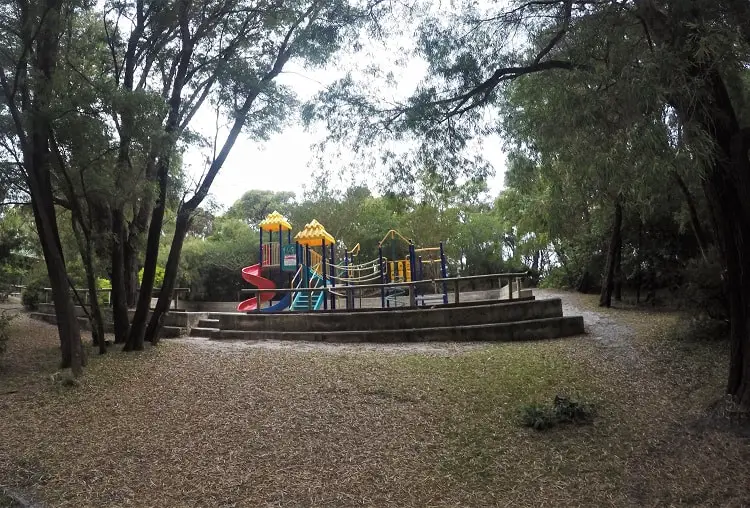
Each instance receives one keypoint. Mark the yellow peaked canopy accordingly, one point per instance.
(273, 221)
(314, 235)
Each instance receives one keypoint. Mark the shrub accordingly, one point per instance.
(5, 320)
(703, 289)
(158, 276)
(33, 294)
(562, 410)
(101, 296)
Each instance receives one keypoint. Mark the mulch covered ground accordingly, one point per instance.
(192, 424)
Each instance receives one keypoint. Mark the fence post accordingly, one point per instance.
(413, 295)
(382, 278)
(444, 273)
(456, 290)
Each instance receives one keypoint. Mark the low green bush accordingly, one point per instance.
(5, 320)
(563, 410)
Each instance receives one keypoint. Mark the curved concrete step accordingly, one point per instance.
(545, 328)
(454, 316)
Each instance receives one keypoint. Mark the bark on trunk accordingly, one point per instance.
(618, 271)
(639, 262)
(182, 226)
(119, 297)
(138, 327)
(96, 318)
(38, 168)
(605, 299)
(695, 223)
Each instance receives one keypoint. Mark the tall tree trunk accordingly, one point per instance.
(136, 229)
(639, 263)
(130, 262)
(605, 299)
(171, 269)
(618, 271)
(96, 318)
(119, 297)
(138, 326)
(38, 169)
(695, 223)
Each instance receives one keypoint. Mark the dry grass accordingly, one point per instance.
(186, 426)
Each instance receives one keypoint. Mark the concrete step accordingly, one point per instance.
(535, 329)
(402, 317)
(203, 331)
(173, 332)
(208, 323)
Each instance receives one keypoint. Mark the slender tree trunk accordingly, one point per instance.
(136, 230)
(605, 299)
(38, 169)
(138, 326)
(618, 271)
(639, 262)
(119, 297)
(96, 318)
(171, 269)
(695, 223)
(131, 274)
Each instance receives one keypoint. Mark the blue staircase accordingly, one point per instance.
(309, 300)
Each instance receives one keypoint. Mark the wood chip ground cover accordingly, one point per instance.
(186, 424)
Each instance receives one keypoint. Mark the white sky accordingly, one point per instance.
(285, 162)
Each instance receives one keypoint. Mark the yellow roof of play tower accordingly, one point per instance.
(314, 235)
(274, 221)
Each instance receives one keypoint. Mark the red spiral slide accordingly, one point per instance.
(252, 275)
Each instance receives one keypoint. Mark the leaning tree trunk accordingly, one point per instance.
(38, 168)
(182, 225)
(618, 271)
(605, 299)
(96, 318)
(138, 326)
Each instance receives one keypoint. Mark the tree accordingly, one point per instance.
(27, 77)
(685, 57)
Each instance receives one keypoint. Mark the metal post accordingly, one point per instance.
(323, 263)
(333, 280)
(444, 273)
(382, 277)
(510, 288)
(346, 277)
(260, 258)
(281, 242)
(421, 274)
(456, 291)
(307, 274)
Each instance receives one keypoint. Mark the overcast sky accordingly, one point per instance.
(285, 162)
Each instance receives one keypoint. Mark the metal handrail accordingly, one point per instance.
(410, 283)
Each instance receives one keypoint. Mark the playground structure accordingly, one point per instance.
(303, 292)
(320, 282)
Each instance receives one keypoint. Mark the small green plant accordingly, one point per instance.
(5, 320)
(32, 294)
(563, 410)
(158, 276)
(102, 296)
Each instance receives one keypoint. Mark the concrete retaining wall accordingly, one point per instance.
(454, 316)
(548, 328)
(176, 324)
